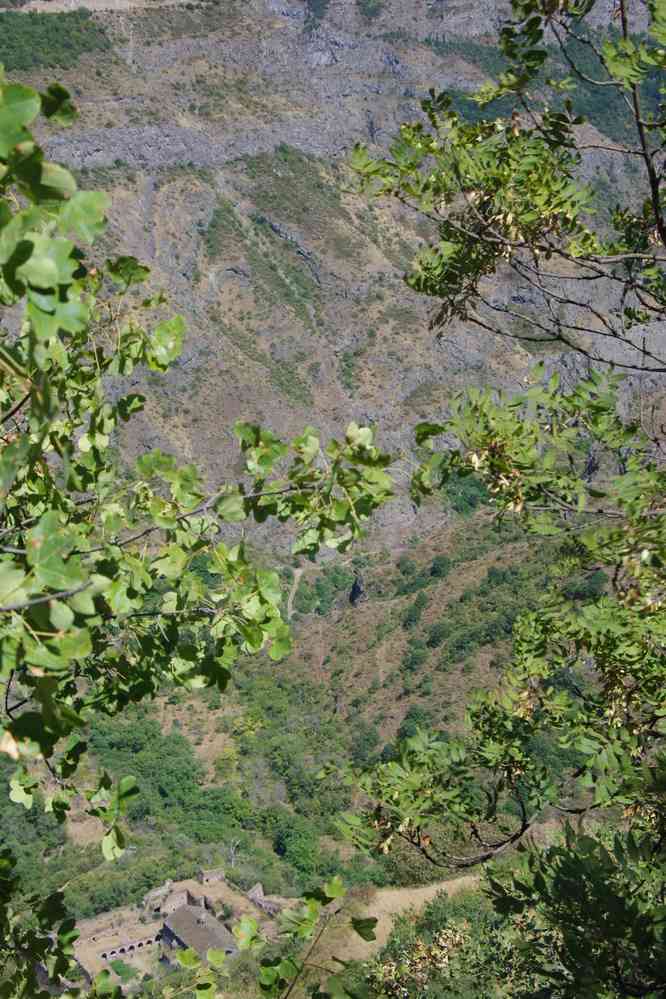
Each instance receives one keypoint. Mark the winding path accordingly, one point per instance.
(387, 903)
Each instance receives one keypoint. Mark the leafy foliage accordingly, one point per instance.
(500, 188)
(100, 599)
(315, 13)
(320, 596)
(370, 8)
(35, 39)
(102, 603)
(577, 722)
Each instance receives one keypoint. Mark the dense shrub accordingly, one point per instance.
(28, 41)
(412, 614)
(417, 717)
(487, 613)
(440, 567)
(464, 494)
(407, 566)
(437, 633)
(370, 8)
(587, 587)
(315, 12)
(27, 833)
(365, 740)
(319, 597)
(415, 655)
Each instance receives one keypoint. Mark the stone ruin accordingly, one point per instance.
(267, 905)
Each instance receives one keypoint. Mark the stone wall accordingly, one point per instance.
(130, 947)
(212, 876)
(177, 899)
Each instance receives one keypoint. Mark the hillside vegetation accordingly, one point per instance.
(238, 780)
(253, 615)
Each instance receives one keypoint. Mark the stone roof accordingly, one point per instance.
(199, 930)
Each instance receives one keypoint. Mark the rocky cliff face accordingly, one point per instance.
(221, 131)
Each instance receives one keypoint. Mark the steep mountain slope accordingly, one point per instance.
(221, 131)
(237, 779)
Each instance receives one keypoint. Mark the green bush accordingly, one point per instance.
(296, 839)
(417, 717)
(319, 597)
(464, 494)
(27, 833)
(437, 633)
(28, 41)
(587, 587)
(315, 12)
(440, 567)
(413, 583)
(412, 615)
(365, 740)
(486, 614)
(370, 8)
(125, 972)
(415, 655)
(407, 566)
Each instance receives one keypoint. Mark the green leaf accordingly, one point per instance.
(126, 271)
(166, 343)
(104, 985)
(113, 844)
(19, 794)
(19, 106)
(282, 643)
(365, 927)
(13, 584)
(172, 563)
(231, 508)
(245, 932)
(48, 544)
(335, 987)
(57, 105)
(127, 789)
(60, 183)
(424, 431)
(188, 958)
(76, 644)
(335, 888)
(268, 582)
(216, 958)
(61, 615)
(50, 263)
(84, 215)
(359, 436)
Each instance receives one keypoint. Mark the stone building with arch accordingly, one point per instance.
(196, 913)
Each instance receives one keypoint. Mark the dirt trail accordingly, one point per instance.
(387, 903)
